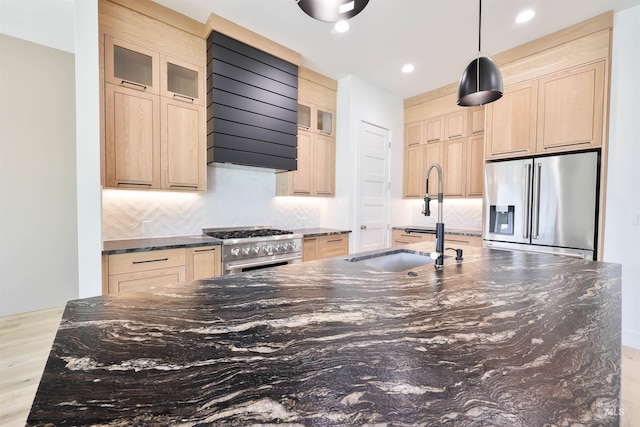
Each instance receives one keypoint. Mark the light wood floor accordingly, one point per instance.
(25, 342)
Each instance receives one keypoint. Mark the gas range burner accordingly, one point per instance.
(245, 233)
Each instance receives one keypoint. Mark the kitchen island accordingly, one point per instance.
(504, 338)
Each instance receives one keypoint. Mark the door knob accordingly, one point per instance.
(363, 227)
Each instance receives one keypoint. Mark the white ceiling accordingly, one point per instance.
(439, 37)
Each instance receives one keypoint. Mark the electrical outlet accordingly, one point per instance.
(636, 218)
(146, 227)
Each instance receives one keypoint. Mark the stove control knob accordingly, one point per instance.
(287, 246)
(235, 251)
(276, 248)
(292, 245)
(255, 250)
(245, 251)
(267, 248)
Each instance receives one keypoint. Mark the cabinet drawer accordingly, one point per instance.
(148, 260)
(144, 279)
(333, 240)
(463, 240)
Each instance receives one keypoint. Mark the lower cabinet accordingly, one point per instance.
(320, 247)
(133, 270)
(401, 239)
(204, 262)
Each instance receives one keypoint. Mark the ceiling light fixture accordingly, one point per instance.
(481, 81)
(332, 10)
(525, 16)
(408, 68)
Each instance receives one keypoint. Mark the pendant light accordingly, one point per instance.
(481, 81)
(332, 10)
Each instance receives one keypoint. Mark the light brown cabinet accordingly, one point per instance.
(316, 159)
(154, 119)
(570, 109)
(203, 262)
(401, 239)
(511, 122)
(135, 270)
(138, 270)
(561, 112)
(132, 134)
(315, 175)
(434, 129)
(451, 146)
(417, 160)
(327, 246)
(455, 125)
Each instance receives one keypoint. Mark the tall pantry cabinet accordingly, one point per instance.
(153, 111)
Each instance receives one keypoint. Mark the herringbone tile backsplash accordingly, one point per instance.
(246, 197)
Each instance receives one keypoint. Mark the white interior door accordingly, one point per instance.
(372, 191)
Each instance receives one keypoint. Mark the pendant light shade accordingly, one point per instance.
(332, 10)
(481, 81)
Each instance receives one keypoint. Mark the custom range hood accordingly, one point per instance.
(252, 106)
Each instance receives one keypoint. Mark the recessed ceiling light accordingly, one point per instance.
(408, 68)
(525, 16)
(341, 26)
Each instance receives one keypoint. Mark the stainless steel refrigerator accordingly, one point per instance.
(543, 204)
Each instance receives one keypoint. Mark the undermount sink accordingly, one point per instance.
(393, 261)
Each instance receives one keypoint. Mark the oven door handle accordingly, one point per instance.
(259, 263)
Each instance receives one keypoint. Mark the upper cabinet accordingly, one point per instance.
(446, 140)
(570, 109)
(316, 158)
(154, 120)
(563, 111)
(511, 122)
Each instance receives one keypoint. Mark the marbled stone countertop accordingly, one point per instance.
(110, 247)
(319, 231)
(456, 231)
(502, 339)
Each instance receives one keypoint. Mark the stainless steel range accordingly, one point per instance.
(252, 248)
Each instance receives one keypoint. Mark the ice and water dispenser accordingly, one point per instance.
(501, 219)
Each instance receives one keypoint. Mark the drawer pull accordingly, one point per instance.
(134, 84)
(151, 260)
(183, 98)
(335, 240)
(204, 250)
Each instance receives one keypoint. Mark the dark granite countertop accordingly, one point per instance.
(502, 339)
(454, 231)
(110, 247)
(319, 231)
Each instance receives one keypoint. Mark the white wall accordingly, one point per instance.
(64, 254)
(38, 234)
(622, 237)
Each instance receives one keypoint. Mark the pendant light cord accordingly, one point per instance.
(479, 25)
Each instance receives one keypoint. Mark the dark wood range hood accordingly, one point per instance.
(252, 106)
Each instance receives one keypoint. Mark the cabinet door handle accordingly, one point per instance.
(183, 97)
(567, 145)
(204, 250)
(477, 132)
(183, 186)
(150, 260)
(134, 84)
(455, 136)
(137, 184)
(522, 150)
(433, 139)
(335, 240)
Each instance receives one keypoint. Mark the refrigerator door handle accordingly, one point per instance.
(527, 197)
(535, 229)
